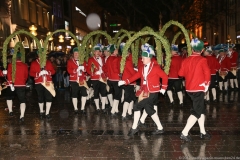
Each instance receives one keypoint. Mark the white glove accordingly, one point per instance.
(162, 91)
(80, 68)
(43, 72)
(135, 69)
(120, 83)
(12, 87)
(205, 87)
(4, 72)
(98, 73)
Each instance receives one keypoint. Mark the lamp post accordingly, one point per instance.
(33, 30)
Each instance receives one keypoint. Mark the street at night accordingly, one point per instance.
(99, 136)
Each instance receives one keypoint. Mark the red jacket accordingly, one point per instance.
(72, 67)
(93, 67)
(105, 68)
(113, 68)
(128, 70)
(225, 63)
(152, 79)
(1, 73)
(21, 75)
(35, 70)
(213, 64)
(175, 66)
(233, 59)
(196, 71)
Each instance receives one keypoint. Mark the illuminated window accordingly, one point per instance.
(40, 16)
(32, 9)
(24, 9)
(45, 18)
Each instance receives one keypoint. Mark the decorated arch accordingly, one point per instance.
(151, 33)
(168, 24)
(8, 39)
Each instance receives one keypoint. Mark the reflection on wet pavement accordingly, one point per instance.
(99, 136)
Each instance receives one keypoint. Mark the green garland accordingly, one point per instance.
(115, 39)
(159, 51)
(135, 53)
(8, 39)
(136, 36)
(185, 32)
(88, 36)
(44, 53)
(119, 41)
(22, 51)
(179, 33)
(96, 40)
(176, 36)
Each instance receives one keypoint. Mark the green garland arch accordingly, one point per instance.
(8, 39)
(171, 22)
(179, 33)
(136, 36)
(89, 35)
(115, 39)
(44, 54)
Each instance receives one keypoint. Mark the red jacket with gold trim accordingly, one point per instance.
(35, 69)
(233, 59)
(113, 68)
(72, 67)
(153, 78)
(21, 75)
(196, 71)
(225, 63)
(213, 64)
(128, 71)
(93, 67)
(175, 66)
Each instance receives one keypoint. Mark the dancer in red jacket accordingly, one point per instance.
(42, 76)
(18, 86)
(113, 72)
(233, 55)
(129, 94)
(197, 75)
(77, 76)
(214, 68)
(225, 67)
(95, 70)
(150, 76)
(174, 81)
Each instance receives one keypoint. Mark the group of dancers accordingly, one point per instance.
(100, 77)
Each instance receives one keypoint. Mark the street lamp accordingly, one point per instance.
(61, 38)
(72, 42)
(33, 29)
(51, 38)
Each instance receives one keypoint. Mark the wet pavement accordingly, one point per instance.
(99, 136)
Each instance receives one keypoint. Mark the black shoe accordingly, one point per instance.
(98, 111)
(11, 114)
(206, 102)
(48, 117)
(21, 120)
(125, 118)
(205, 136)
(140, 124)
(215, 101)
(132, 132)
(129, 116)
(118, 113)
(172, 103)
(186, 138)
(113, 115)
(181, 105)
(42, 115)
(83, 112)
(104, 111)
(236, 89)
(76, 112)
(157, 131)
